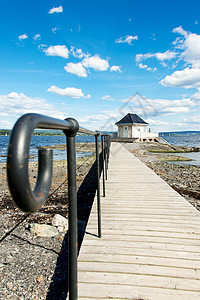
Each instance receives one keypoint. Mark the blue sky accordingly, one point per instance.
(98, 60)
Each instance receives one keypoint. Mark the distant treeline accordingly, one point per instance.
(8, 131)
(40, 132)
(179, 132)
(45, 132)
(5, 132)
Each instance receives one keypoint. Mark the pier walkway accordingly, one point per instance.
(150, 245)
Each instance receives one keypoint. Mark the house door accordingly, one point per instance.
(125, 131)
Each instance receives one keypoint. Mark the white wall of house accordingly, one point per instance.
(138, 130)
(135, 131)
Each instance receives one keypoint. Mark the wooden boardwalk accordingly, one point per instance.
(150, 245)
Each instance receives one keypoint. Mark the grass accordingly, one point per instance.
(171, 151)
(175, 158)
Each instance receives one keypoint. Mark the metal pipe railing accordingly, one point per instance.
(103, 165)
(98, 184)
(18, 178)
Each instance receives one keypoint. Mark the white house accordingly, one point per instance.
(132, 126)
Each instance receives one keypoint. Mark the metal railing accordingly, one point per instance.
(18, 178)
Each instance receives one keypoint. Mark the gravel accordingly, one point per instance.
(33, 267)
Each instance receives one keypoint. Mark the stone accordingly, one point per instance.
(62, 228)
(9, 285)
(40, 278)
(43, 230)
(59, 220)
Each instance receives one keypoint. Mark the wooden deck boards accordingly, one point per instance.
(150, 245)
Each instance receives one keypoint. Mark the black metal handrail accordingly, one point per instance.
(18, 178)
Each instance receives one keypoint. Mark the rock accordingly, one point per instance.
(59, 220)
(43, 230)
(9, 285)
(62, 228)
(40, 278)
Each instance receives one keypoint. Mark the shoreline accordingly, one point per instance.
(28, 262)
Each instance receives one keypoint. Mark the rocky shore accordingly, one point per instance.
(29, 262)
(34, 266)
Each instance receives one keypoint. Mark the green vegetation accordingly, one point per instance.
(174, 158)
(173, 151)
(47, 133)
(36, 132)
(5, 132)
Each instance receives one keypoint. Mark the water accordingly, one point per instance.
(189, 139)
(41, 141)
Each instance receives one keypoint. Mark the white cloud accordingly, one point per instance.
(96, 63)
(178, 43)
(167, 55)
(151, 69)
(116, 69)
(192, 50)
(156, 122)
(190, 43)
(108, 98)
(55, 29)
(58, 9)
(196, 97)
(68, 92)
(89, 62)
(23, 36)
(188, 78)
(141, 105)
(13, 105)
(141, 66)
(78, 53)
(181, 31)
(139, 57)
(192, 119)
(127, 39)
(190, 46)
(37, 37)
(176, 110)
(196, 22)
(106, 119)
(59, 50)
(161, 56)
(76, 69)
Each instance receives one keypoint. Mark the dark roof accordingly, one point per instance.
(131, 119)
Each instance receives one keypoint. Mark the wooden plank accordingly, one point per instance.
(123, 292)
(150, 245)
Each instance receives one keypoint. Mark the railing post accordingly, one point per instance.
(109, 141)
(106, 154)
(98, 184)
(72, 217)
(103, 169)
